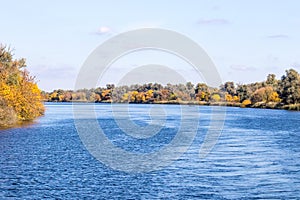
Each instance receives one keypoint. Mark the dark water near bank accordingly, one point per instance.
(257, 156)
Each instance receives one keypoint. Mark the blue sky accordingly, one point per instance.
(245, 39)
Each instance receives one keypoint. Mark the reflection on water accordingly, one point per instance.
(257, 156)
(22, 124)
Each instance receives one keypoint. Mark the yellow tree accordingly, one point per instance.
(18, 90)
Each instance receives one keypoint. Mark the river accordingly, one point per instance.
(256, 156)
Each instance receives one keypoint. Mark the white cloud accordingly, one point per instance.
(278, 36)
(218, 21)
(242, 68)
(296, 65)
(103, 30)
(51, 77)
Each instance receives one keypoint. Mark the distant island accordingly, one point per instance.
(283, 93)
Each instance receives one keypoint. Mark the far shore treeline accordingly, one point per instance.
(283, 93)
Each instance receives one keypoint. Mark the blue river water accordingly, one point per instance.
(257, 156)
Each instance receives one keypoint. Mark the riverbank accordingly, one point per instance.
(260, 105)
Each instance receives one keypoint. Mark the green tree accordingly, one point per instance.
(202, 92)
(271, 80)
(289, 89)
(229, 88)
(243, 92)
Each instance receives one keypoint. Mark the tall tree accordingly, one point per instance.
(289, 89)
(229, 88)
(243, 92)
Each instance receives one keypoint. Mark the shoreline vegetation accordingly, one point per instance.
(259, 105)
(21, 100)
(283, 93)
(20, 97)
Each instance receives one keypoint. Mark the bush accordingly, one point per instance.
(215, 98)
(246, 103)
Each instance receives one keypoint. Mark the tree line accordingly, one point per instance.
(20, 97)
(271, 93)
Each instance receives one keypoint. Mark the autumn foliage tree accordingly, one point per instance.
(20, 96)
(265, 94)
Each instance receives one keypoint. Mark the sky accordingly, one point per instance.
(246, 40)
